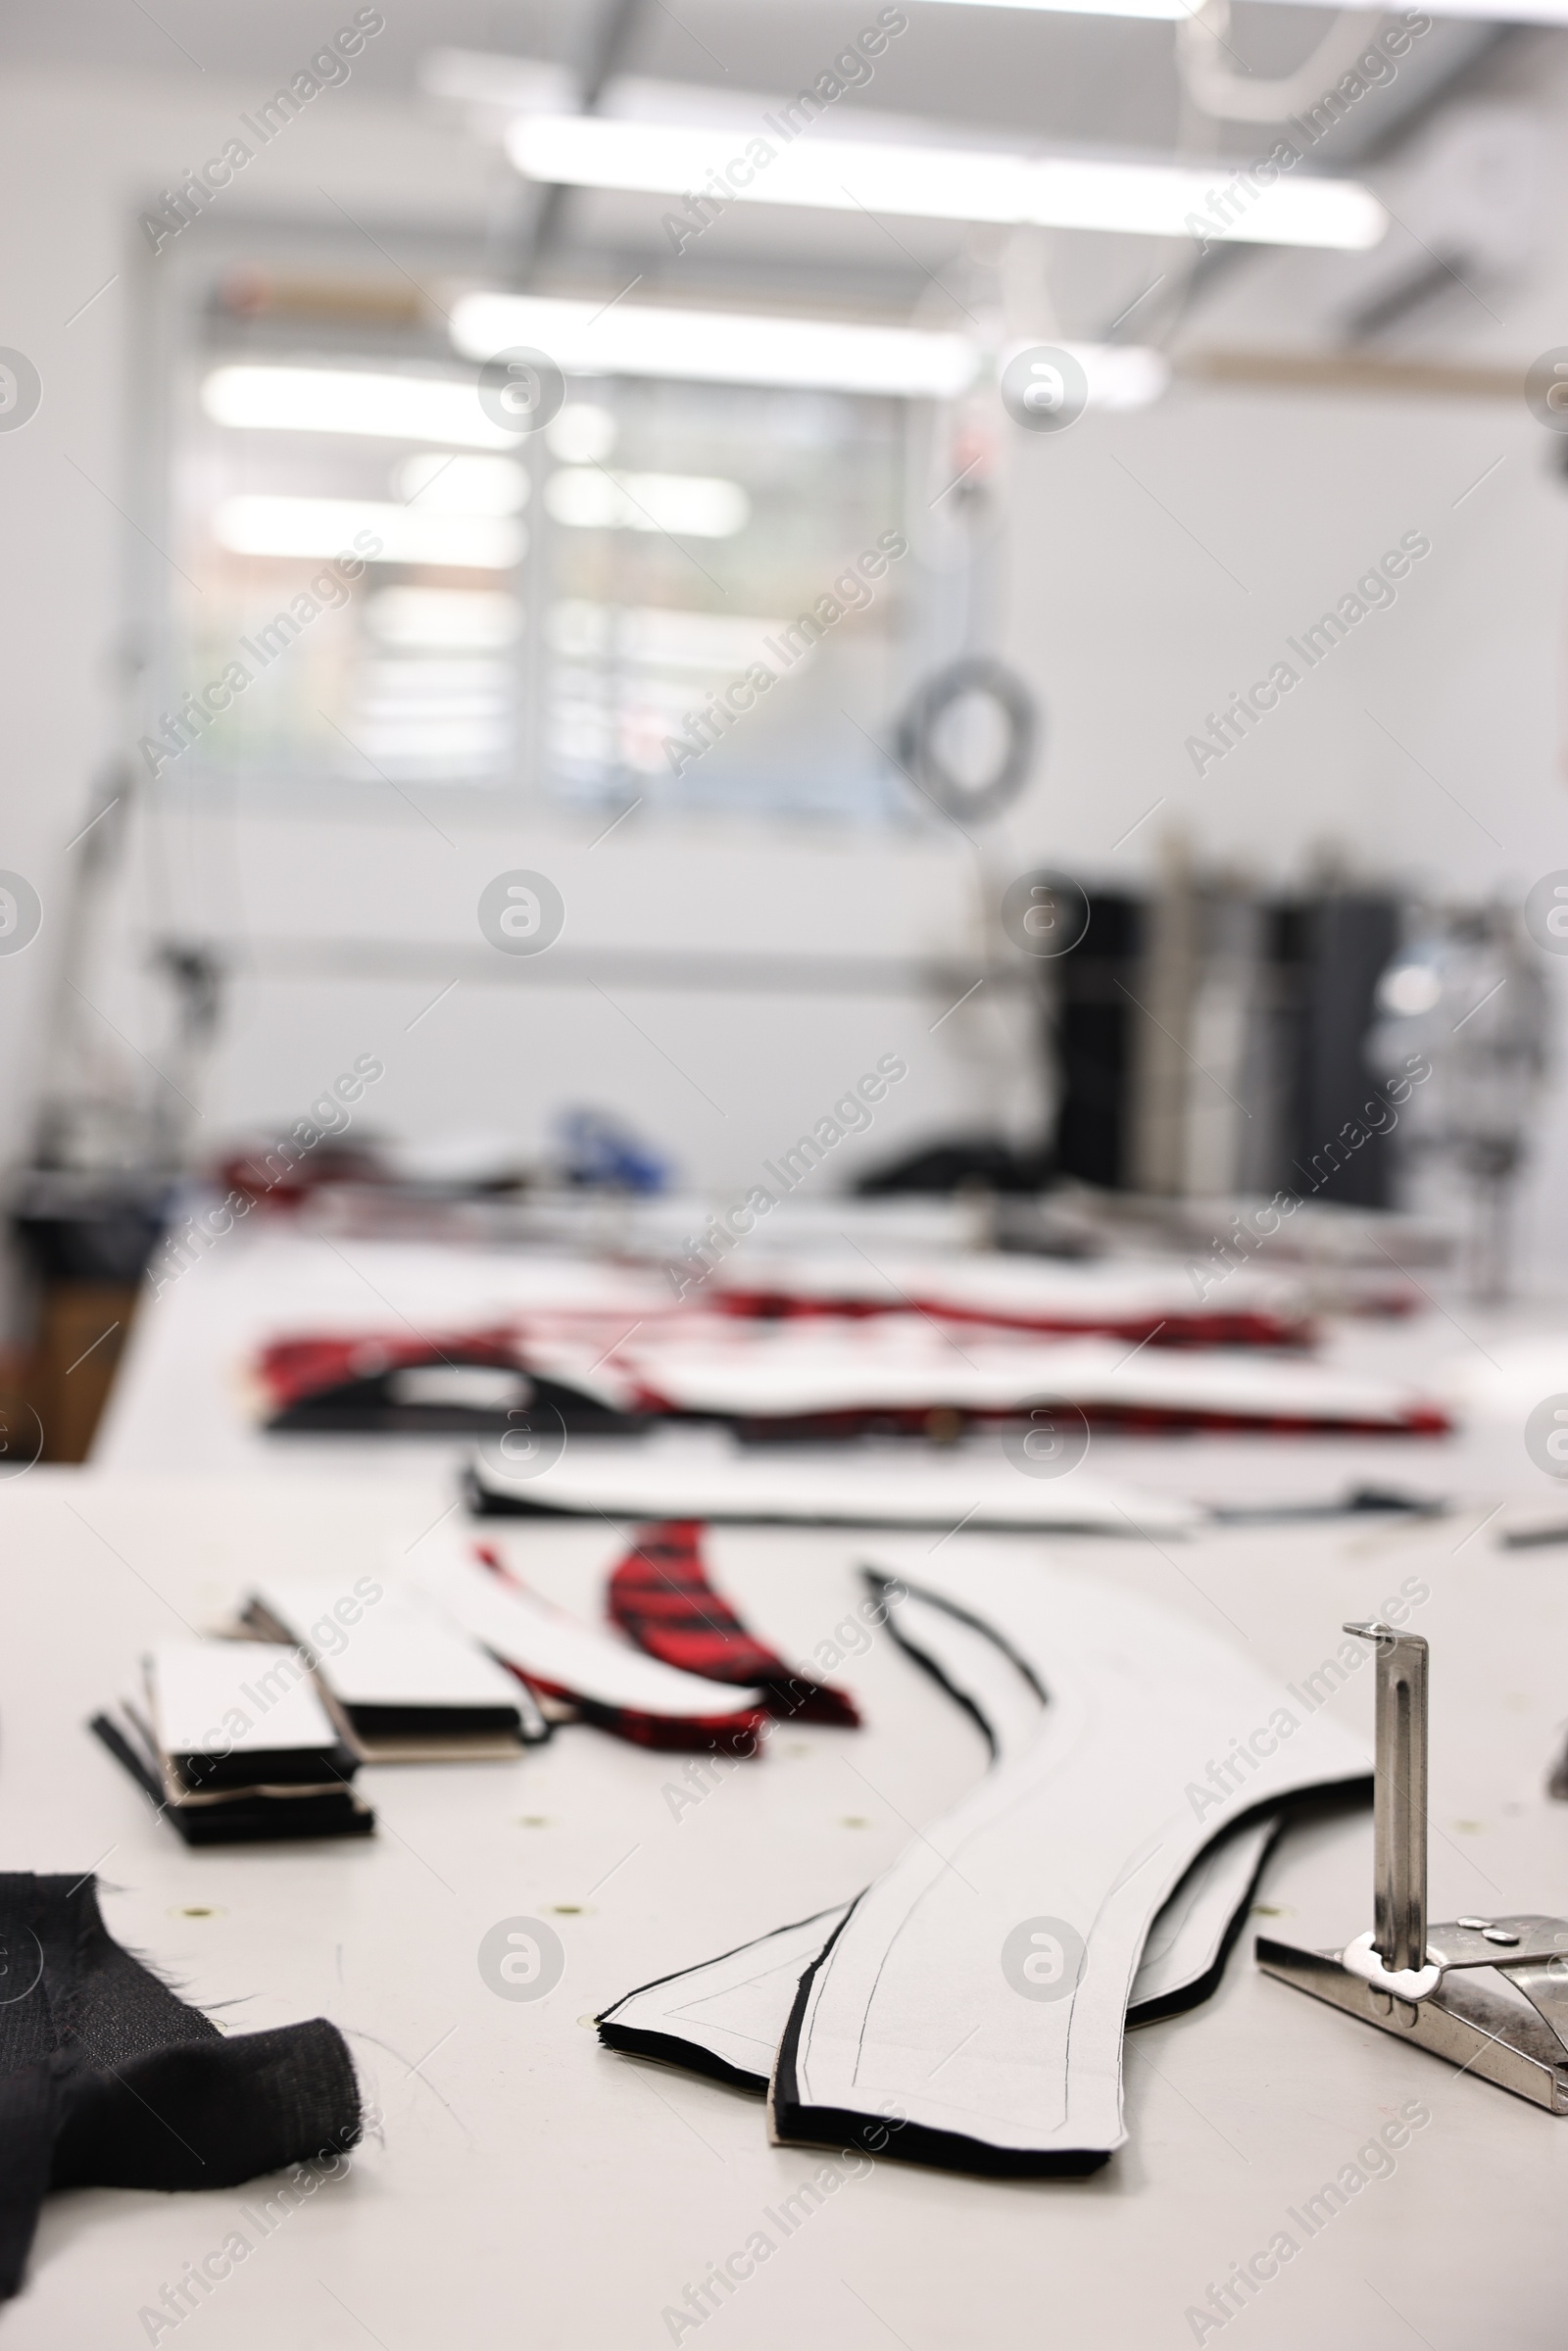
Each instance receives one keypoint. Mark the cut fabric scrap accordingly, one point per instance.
(603, 1678)
(691, 1472)
(410, 1686)
(661, 1597)
(455, 1385)
(726, 2017)
(979, 1988)
(109, 2080)
(1193, 1936)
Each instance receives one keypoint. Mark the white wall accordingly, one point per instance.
(1153, 563)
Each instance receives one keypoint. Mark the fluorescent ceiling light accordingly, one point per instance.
(392, 408)
(1118, 376)
(461, 485)
(689, 505)
(1507, 12)
(582, 433)
(931, 182)
(472, 618)
(586, 338)
(1166, 11)
(328, 526)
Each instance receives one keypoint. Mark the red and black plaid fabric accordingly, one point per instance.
(292, 1370)
(740, 1733)
(659, 1595)
(1253, 1327)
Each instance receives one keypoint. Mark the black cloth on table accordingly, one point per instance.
(109, 2080)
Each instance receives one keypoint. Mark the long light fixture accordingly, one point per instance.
(586, 338)
(948, 184)
(1162, 11)
(691, 506)
(352, 400)
(1508, 11)
(262, 525)
(589, 338)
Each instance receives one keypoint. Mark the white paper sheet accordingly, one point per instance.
(235, 1697)
(559, 1650)
(692, 1473)
(399, 1648)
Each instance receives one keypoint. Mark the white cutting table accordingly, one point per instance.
(529, 2188)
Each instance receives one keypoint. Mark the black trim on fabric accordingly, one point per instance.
(488, 1501)
(976, 1623)
(689, 2056)
(793, 2123)
(1203, 1987)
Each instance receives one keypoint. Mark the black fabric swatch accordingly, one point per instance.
(109, 2080)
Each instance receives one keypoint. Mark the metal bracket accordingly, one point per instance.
(1420, 1983)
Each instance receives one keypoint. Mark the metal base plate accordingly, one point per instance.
(1518, 2039)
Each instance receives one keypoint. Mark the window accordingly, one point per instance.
(378, 579)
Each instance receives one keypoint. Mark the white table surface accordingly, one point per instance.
(531, 2188)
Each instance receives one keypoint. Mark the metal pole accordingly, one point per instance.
(1399, 1798)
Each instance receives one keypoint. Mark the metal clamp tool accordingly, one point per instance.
(1420, 1983)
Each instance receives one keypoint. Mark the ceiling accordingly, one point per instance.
(1096, 83)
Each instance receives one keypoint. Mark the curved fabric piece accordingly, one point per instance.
(109, 2080)
(726, 2017)
(978, 1990)
(605, 1680)
(1191, 1938)
(702, 1473)
(661, 1598)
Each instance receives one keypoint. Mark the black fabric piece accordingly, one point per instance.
(109, 2080)
(243, 1818)
(368, 1407)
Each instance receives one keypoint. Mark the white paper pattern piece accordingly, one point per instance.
(559, 1652)
(727, 2016)
(704, 1474)
(235, 1697)
(978, 1990)
(397, 1648)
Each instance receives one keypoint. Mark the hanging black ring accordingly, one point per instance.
(974, 673)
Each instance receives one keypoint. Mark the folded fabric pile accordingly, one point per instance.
(108, 2079)
(968, 2008)
(836, 1374)
(233, 1743)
